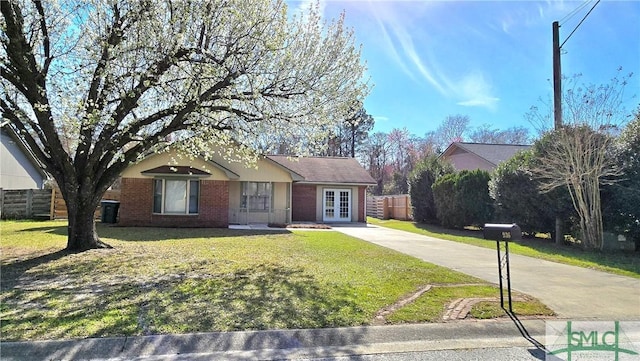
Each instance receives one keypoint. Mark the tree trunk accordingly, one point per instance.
(82, 233)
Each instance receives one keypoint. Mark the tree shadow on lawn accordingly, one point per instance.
(159, 233)
(11, 272)
(265, 296)
(454, 232)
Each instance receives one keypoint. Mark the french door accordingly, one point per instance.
(336, 205)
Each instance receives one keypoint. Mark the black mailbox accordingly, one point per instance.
(502, 232)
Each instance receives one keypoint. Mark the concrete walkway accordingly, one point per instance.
(572, 292)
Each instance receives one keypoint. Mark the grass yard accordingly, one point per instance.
(158, 281)
(622, 263)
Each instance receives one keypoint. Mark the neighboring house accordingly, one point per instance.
(216, 193)
(19, 168)
(472, 156)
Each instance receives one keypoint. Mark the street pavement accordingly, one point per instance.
(493, 354)
(572, 292)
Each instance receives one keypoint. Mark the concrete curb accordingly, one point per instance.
(283, 344)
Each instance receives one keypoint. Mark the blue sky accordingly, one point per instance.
(490, 60)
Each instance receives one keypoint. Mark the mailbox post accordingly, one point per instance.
(503, 234)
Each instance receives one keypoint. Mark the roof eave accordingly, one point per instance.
(296, 177)
(337, 183)
(228, 172)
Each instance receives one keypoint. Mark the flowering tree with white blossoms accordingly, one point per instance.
(93, 86)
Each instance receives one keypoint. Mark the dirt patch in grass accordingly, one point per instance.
(453, 302)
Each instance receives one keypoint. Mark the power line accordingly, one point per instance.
(580, 23)
(574, 12)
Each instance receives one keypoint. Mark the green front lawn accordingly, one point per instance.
(622, 263)
(158, 281)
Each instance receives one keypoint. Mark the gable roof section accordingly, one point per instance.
(328, 170)
(492, 153)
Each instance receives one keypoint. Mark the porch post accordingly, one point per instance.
(288, 204)
(273, 191)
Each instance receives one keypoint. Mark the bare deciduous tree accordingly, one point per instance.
(581, 159)
(580, 155)
(487, 134)
(452, 129)
(376, 157)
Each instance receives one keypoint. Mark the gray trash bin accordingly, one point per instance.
(109, 211)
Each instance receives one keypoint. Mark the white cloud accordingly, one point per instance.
(391, 49)
(401, 46)
(403, 37)
(476, 91)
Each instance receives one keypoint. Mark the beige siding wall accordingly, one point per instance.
(264, 171)
(234, 195)
(462, 160)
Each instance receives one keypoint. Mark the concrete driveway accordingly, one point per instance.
(572, 292)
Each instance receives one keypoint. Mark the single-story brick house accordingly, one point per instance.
(217, 193)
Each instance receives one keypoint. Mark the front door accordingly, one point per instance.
(337, 205)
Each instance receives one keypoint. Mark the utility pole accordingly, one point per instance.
(557, 91)
(557, 104)
(557, 77)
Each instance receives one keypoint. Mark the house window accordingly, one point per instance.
(256, 196)
(176, 196)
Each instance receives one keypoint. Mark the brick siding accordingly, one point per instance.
(362, 199)
(136, 202)
(303, 203)
(136, 206)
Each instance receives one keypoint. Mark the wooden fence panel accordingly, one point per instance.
(40, 203)
(60, 207)
(386, 207)
(375, 207)
(25, 203)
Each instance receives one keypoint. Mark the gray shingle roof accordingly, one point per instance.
(326, 169)
(493, 153)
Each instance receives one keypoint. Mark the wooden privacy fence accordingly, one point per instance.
(40, 203)
(25, 203)
(59, 210)
(386, 207)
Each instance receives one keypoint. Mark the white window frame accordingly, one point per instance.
(244, 197)
(187, 196)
